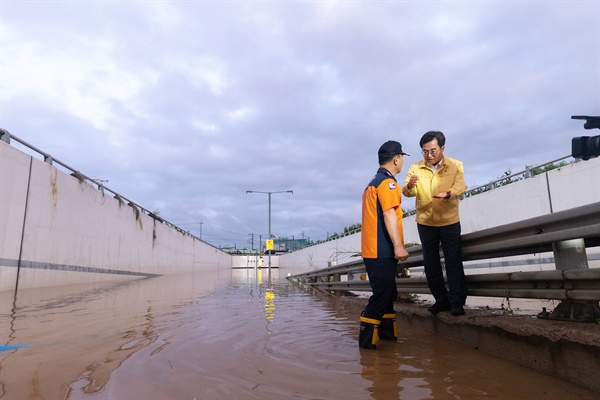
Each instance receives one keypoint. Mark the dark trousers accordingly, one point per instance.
(382, 277)
(449, 236)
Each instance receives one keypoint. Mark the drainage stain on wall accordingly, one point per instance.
(154, 234)
(54, 187)
(137, 214)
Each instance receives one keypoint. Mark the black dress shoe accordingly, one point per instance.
(457, 310)
(437, 307)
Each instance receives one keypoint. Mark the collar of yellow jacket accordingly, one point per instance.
(444, 161)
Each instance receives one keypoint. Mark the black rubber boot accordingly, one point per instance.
(387, 328)
(368, 335)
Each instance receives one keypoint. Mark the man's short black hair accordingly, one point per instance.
(429, 136)
(386, 158)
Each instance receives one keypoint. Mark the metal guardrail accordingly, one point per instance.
(580, 285)
(533, 235)
(6, 137)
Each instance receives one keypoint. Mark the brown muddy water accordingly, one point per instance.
(228, 334)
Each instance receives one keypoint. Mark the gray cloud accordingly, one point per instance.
(185, 106)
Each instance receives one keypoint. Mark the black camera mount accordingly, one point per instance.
(586, 147)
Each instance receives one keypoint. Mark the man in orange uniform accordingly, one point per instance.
(382, 243)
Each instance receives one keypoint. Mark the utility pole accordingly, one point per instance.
(252, 240)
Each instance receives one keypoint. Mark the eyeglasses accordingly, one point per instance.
(431, 152)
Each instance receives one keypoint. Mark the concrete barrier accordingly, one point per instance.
(56, 230)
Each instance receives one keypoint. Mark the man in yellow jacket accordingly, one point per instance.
(437, 182)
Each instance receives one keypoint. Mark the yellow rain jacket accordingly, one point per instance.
(449, 176)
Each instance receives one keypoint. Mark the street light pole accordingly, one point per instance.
(270, 193)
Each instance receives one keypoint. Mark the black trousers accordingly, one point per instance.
(449, 237)
(382, 277)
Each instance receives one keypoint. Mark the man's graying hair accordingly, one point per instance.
(429, 136)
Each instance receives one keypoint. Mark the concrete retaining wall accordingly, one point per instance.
(56, 230)
(254, 261)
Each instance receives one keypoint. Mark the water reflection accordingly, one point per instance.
(79, 334)
(270, 305)
(229, 334)
(422, 366)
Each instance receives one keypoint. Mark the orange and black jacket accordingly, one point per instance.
(381, 194)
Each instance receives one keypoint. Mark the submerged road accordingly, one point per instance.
(226, 335)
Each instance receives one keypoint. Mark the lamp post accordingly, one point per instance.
(270, 193)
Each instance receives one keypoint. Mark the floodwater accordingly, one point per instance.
(228, 334)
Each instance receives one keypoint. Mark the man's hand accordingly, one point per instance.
(412, 182)
(400, 253)
(443, 195)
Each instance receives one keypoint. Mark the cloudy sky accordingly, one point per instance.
(184, 105)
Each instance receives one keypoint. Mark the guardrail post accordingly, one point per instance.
(4, 136)
(570, 255)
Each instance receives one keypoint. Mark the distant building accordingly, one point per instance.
(289, 244)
